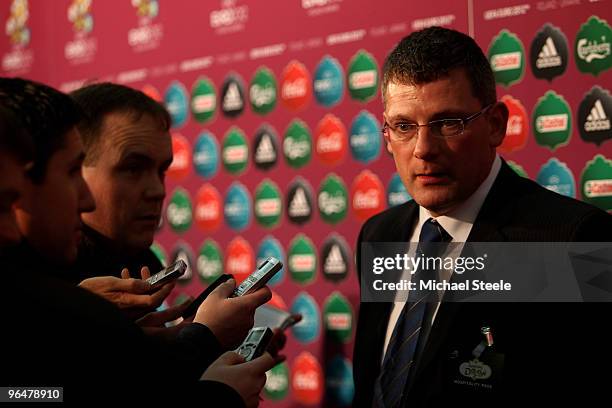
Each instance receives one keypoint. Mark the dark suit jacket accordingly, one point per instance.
(550, 349)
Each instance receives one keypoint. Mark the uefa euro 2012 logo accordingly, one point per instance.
(16, 27)
(146, 8)
(79, 14)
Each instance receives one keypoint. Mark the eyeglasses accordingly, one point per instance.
(441, 128)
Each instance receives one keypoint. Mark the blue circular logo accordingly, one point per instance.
(328, 83)
(339, 381)
(557, 177)
(237, 207)
(365, 139)
(206, 155)
(176, 102)
(396, 192)
(271, 247)
(307, 330)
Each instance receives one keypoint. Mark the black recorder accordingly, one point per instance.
(172, 272)
(259, 277)
(255, 343)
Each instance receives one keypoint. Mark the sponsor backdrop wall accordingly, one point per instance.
(277, 148)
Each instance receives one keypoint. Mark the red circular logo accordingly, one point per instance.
(331, 142)
(307, 379)
(208, 209)
(296, 88)
(518, 126)
(181, 157)
(152, 92)
(240, 260)
(368, 197)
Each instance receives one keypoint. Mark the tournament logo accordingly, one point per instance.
(210, 262)
(183, 251)
(178, 212)
(335, 258)
(175, 100)
(549, 53)
(159, 252)
(206, 155)
(181, 158)
(365, 139)
(203, 100)
(596, 182)
(270, 246)
(332, 199)
(328, 82)
(396, 191)
(517, 128)
(296, 88)
(297, 144)
(299, 201)
(552, 121)
(230, 18)
(237, 207)
(594, 115)
(362, 76)
(152, 93)
(240, 260)
(518, 169)
(507, 58)
(81, 49)
(277, 382)
(19, 59)
(265, 147)
(262, 91)
(301, 259)
(308, 329)
(368, 195)
(557, 177)
(331, 143)
(208, 208)
(268, 204)
(339, 384)
(232, 96)
(307, 379)
(147, 35)
(593, 46)
(235, 151)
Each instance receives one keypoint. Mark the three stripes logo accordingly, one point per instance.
(594, 115)
(549, 53)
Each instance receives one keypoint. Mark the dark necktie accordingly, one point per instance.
(400, 354)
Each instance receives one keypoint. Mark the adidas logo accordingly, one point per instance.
(232, 101)
(597, 119)
(265, 152)
(334, 263)
(548, 56)
(299, 206)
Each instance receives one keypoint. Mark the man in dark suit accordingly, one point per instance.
(442, 125)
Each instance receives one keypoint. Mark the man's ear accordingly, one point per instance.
(498, 121)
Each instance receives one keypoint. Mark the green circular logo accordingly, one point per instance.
(277, 382)
(235, 151)
(338, 317)
(302, 259)
(262, 91)
(159, 252)
(203, 100)
(297, 144)
(596, 181)
(179, 211)
(552, 121)
(268, 204)
(518, 169)
(593, 46)
(332, 199)
(210, 262)
(362, 76)
(507, 58)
